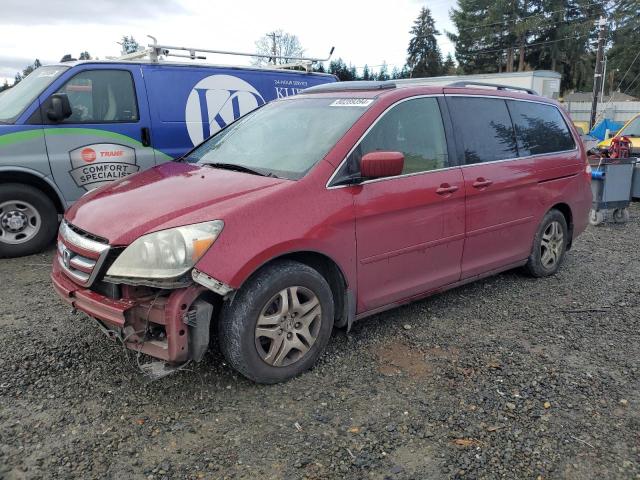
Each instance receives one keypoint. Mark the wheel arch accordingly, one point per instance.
(343, 296)
(37, 180)
(565, 209)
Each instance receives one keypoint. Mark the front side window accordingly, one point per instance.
(540, 129)
(283, 139)
(16, 100)
(414, 128)
(101, 96)
(485, 128)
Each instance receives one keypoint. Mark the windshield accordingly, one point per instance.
(283, 139)
(15, 100)
(631, 130)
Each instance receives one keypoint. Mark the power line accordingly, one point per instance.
(632, 83)
(528, 16)
(473, 52)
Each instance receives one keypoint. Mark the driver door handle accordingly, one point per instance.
(145, 136)
(481, 183)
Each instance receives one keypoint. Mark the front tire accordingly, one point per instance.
(28, 220)
(278, 323)
(549, 245)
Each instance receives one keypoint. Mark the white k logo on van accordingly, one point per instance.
(216, 101)
(100, 163)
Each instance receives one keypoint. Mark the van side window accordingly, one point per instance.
(101, 96)
(540, 128)
(485, 127)
(413, 127)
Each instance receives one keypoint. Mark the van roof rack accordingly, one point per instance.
(351, 86)
(492, 85)
(155, 51)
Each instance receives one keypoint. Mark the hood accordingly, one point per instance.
(166, 196)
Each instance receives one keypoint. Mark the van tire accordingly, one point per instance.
(549, 245)
(239, 338)
(25, 200)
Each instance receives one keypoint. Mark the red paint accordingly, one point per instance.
(394, 239)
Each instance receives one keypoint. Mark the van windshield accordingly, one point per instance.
(631, 130)
(16, 100)
(282, 139)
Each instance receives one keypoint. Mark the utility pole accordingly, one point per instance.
(597, 77)
(274, 49)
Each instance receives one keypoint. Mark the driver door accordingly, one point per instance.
(106, 137)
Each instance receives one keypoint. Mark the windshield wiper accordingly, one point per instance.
(238, 168)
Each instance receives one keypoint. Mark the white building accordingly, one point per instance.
(543, 82)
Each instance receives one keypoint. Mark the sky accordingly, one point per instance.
(363, 32)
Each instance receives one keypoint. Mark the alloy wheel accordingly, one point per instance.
(551, 245)
(288, 326)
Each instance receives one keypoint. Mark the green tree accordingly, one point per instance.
(625, 27)
(342, 71)
(129, 45)
(449, 65)
(17, 79)
(383, 73)
(85, 55)
(366, 74)
(423, 55)
(5, 85)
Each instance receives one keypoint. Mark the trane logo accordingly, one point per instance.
(215, 102)
(89, 154)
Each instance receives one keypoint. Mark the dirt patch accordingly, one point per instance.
(396, 358)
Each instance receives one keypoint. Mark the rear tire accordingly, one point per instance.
(28, 220)
(278, 323)
(549, 245)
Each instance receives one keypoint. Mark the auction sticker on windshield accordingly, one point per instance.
(100, 163)
(352, 102)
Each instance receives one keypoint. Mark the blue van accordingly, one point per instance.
(72, 127)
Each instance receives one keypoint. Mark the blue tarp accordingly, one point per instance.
(599, 130)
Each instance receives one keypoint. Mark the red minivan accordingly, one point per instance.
(318, 210)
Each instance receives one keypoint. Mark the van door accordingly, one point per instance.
(500, 187)
(409, 228)
(107, 135)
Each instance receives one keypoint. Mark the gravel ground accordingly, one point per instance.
(509, 377)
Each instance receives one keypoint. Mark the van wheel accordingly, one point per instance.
(278, 323)
(549, 245)
(28, 220)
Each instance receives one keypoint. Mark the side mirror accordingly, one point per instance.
(59, 107)
(381, 164)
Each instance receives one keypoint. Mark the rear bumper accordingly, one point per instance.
(130, 318)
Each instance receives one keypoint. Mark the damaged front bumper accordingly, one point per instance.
(170, 325)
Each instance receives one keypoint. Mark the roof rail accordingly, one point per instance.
(492, 85)
(155, 51)
(351, 86)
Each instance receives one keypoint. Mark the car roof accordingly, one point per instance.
(409, 87)
(168, 63)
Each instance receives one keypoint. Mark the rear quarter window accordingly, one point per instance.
(540, 128)
(485, 127)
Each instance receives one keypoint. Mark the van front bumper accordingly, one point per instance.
(129, 318)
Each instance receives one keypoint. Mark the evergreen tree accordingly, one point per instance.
(424, 58)
(383, 73)
(85, 55)
(339, 69)
(395, 73)
(449, 66)
(366, 74)
(17, 79)
(5, 85)
(624, 48)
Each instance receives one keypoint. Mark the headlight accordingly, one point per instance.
(168, 253)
